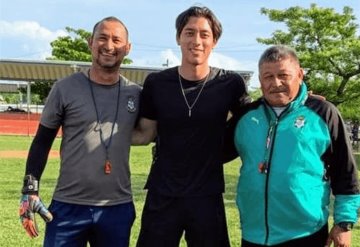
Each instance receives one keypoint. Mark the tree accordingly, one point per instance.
(72, 48)
(328, 48)
(255, 94)
(351, 110)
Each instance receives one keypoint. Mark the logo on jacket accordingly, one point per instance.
(131, 104)
(255, 120)
(299, 122)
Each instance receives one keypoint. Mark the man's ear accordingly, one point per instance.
(215, 43)
(89, 41)
(301, 74)
(128, 48)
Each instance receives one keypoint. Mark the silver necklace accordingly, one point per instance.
(197, 97)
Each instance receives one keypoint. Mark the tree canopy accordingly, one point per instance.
(72, 47)
(328, 47)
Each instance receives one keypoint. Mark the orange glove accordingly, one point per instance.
(30, 203)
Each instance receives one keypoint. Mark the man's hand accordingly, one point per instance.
(29, 205)
(318, 96)
(339, 237)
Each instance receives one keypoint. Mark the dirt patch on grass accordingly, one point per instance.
(24, 154)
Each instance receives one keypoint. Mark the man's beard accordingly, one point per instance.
(109, 66)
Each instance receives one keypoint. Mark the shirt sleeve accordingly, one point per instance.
(241, 98)
(39, 151)
(241, 95)
(343, 171)
(147, 108)
(53, 113)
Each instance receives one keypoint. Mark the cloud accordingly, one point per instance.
(170, 58)
(166, 58)
(226, 62)
(33, 39)
(219, 60)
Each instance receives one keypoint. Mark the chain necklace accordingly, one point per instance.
(107, 166)
(197, 97)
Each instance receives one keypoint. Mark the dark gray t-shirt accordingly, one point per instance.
(82, 179)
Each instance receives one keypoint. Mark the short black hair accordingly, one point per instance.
(109, 18)
(276, 53)
(197, 11)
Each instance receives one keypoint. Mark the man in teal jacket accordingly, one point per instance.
(294, 153)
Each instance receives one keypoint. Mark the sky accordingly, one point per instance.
(28, 27)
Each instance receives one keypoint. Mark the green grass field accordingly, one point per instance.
(12, 171)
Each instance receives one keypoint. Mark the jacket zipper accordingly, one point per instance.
(267, 167)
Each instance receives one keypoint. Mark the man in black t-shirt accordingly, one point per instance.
(186, 109)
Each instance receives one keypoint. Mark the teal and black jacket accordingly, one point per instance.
(290, 165)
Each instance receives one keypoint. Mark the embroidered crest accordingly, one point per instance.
(299, 122)
(131, 104)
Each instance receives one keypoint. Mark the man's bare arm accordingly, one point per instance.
(145, 132)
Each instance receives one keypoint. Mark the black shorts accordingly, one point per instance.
(165, 219)
(318, 239)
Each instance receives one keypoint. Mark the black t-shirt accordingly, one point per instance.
(188, 157)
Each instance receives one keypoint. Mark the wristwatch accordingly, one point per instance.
(345, 226)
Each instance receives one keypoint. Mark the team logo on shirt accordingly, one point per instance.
(131, 104)
(299, 122)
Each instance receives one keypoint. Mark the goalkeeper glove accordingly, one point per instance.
(30, 203)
